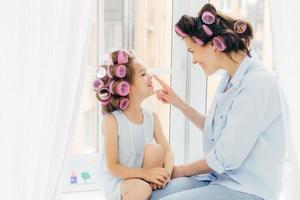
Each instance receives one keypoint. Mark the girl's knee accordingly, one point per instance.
(154, 153)
(136, 189)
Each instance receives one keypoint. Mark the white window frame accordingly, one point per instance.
(184, 79)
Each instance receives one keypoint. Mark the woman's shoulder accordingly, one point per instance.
(260, 78)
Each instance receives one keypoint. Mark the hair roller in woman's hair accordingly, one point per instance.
(207, 17)
(179, 31)
(207, 30)
(198, 41)
(219, 43)
(240, 27)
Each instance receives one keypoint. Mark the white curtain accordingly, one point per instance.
(42, 48)
(285, 20)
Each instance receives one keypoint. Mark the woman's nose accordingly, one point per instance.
(194, 61)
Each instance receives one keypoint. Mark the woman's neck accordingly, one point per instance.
(232, 62)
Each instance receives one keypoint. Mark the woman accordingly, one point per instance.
(243, 133)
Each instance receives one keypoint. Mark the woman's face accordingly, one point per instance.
(205, 56)
(142, 81)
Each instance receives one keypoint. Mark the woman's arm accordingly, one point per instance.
(110, 131)
(194, 168)
(167, 95)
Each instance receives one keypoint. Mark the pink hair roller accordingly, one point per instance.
(122, 88)
(104, 94)
(198, 41)
(208, 18)
(110, 87)
(98, 84)
(121, 71)
(101, 72)
(123, 103)
(122, 57)
(207, 30)
(180, 32)
(219, 43)
(118, 71)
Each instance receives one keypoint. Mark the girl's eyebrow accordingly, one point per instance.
(142, 70)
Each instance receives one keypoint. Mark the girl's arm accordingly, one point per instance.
(161, 139)
(110, 131)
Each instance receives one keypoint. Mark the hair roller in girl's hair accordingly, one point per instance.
(123, 103)
(116, 71)
(120, 87)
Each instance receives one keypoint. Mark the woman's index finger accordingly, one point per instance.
(162, 83)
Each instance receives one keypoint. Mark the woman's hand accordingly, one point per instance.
(167, 95)
(179, 171)
(156, 175)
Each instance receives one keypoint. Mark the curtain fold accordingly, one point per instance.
(286, 53)
(43, 43)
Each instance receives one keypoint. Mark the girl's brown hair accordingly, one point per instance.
(226, 27)
(114, 101)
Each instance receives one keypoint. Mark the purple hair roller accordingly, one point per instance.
(121, 71)
(198, 41)
(180, 32)
(123, 103)
(104, 94)
(208, 18)
(98, 84)
(122, 57)
(219, 43)
(122, 88)
(207, 30)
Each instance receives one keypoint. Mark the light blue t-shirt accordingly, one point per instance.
(244, 139)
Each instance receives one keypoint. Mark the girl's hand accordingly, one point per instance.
(156, 175)
(179, 171)
(167, 95)
(156, 187)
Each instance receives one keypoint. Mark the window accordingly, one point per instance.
(143, 26)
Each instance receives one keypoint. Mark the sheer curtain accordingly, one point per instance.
(42, 47)
(285, 20)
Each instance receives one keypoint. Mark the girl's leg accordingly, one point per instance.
(211, 192)
(137, 189)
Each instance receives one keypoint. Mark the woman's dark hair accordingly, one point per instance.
(235, 33)
(114, 101)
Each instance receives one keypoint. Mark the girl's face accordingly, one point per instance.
(142, 81)
(205, 56)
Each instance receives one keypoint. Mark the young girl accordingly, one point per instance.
(131, 165)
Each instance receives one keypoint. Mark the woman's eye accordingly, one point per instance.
(143, 74)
